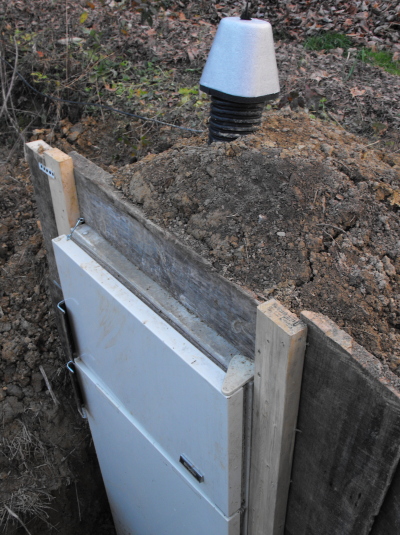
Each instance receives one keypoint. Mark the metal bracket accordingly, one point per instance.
(47, 171)
(71, 353)
(79, 222)
(240, 371)
(61, 307)
(76, 387)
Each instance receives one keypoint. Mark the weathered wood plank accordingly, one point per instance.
(158, 299)
(388, 519)
(62, 189)
(225, 307)
(35, 154)
(348, 445)
(280, 345)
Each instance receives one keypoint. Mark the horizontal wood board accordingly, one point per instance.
(348, 442)
(187, 324)
(222, 305)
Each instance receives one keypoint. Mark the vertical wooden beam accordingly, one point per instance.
(35, 154)
(280, 346)
(62, 189)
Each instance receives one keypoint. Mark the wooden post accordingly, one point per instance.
(62, 188)
(280, 346)
(54, 216)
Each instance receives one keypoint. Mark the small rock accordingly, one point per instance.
(139, 190)
(3, 231)
(78, 127)
(10, 409)
(388, 266)
(37, 382)
(326, 149)
(15, 390)
(28, 391)
(281, 234)
(10, 351)
(73, 136)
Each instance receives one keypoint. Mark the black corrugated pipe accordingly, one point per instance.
(229, 120)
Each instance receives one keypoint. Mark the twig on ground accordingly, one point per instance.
(374, 143)
(332, 226)
(53, 397)
(98, 96)
(331, 237)
(72, 451)
(79, 505)
(14, 515)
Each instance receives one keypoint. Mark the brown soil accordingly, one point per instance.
(303, 211)
(47, 460)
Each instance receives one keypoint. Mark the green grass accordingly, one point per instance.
(329, 41)
(381, 58)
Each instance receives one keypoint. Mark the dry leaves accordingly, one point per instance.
(355, 92)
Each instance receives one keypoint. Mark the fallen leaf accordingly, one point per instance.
(395, 198)
(83, 17)
(355, 92)
(318, 75)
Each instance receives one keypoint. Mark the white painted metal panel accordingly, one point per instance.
(147, 494)
(161, 390)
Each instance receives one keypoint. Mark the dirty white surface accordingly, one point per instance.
(151, 397)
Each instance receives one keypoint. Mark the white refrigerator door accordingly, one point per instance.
(169, 442)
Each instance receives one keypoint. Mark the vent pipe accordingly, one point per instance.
(240, 75)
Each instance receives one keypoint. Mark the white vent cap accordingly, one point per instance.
(242, 62)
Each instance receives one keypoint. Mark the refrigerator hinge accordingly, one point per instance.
(71, 355)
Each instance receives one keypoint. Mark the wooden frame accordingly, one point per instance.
(343, 387)
(280, 345)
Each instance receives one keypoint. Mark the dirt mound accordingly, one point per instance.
(303, 211)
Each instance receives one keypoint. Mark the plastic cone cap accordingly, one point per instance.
(242, 60)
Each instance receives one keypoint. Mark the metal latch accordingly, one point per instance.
(71, 355)
(191, 468)
(80, 221)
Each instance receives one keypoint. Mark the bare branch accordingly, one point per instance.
(4, 81)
